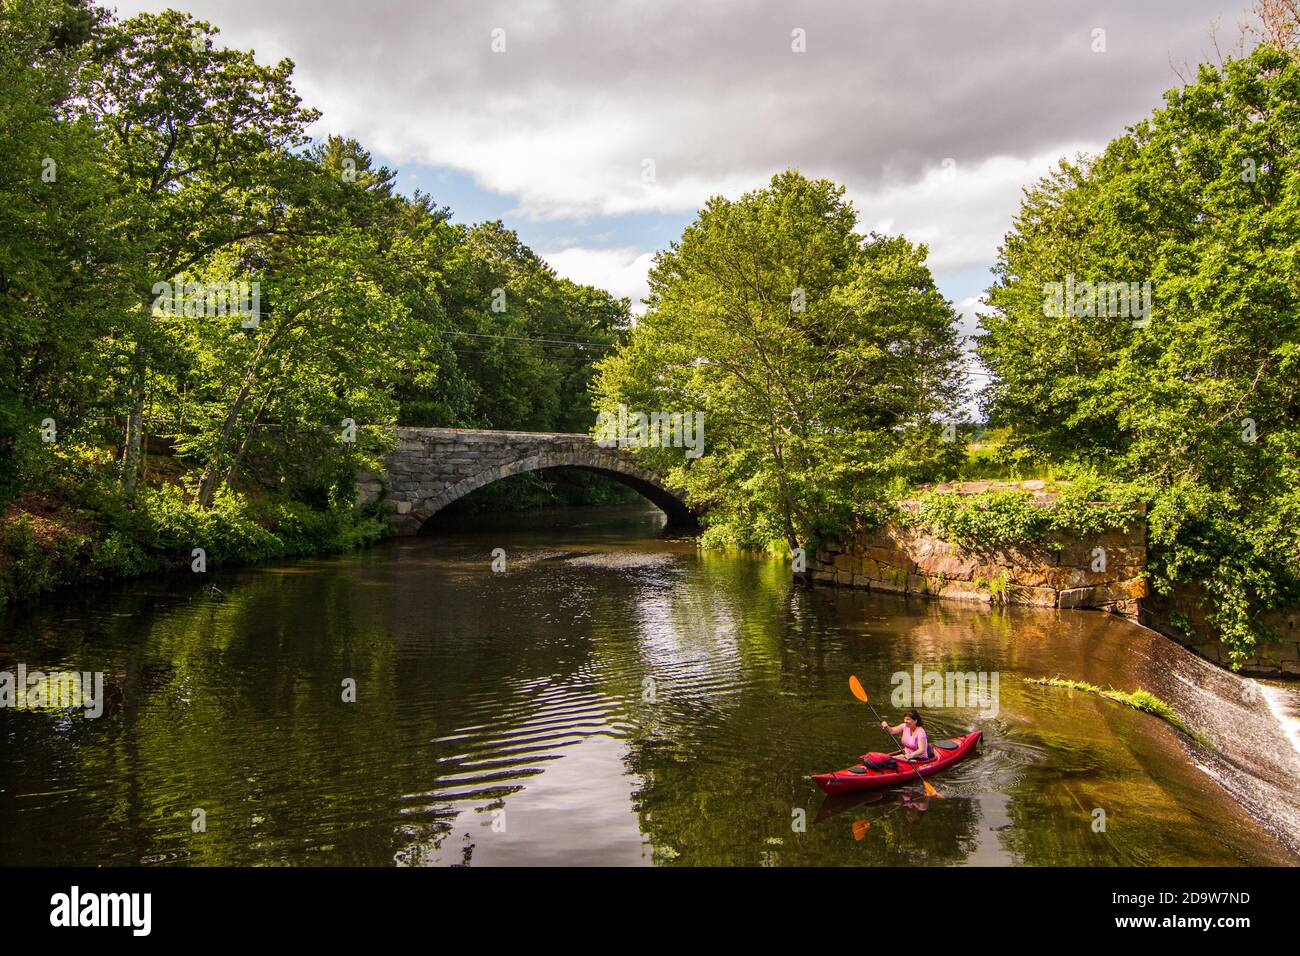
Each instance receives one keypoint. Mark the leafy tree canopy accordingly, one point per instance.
(1202, 402)
(823, 362)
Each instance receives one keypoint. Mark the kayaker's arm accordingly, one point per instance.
(922, 744)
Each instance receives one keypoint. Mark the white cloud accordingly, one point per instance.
(621, 272)
(969, 311)
(961, 212)
(712, 93)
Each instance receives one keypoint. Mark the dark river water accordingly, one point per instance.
(613, 696)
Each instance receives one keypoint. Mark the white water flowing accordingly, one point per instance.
(1255, 729)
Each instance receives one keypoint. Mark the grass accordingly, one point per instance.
(981, 464)
(1139, 699)
(989, 458)
(72, 525)
(999, 586)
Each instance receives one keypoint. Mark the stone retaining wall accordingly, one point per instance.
(915, 561)
(1275, 659)
(904, 560)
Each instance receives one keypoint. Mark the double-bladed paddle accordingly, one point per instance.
(855, 685)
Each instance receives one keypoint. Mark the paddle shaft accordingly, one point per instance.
(899, 743)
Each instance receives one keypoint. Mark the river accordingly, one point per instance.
(613, 696)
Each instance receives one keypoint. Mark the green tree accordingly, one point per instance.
(328, 340)
(61, 260)
(823, 362)
(1201, 404)
(519, 343)
(201, 136)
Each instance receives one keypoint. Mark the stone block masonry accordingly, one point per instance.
(906, 560)
(1182, 616)
(913, 561)
(432, 467)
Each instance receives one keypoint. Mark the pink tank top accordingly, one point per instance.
(916, 740)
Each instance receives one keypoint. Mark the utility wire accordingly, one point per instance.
(584, 345)
(526, 338)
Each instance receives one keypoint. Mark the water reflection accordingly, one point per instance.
(613, 697)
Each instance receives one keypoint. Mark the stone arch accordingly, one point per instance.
(594, 459)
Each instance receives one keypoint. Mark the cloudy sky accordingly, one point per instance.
(933, 114)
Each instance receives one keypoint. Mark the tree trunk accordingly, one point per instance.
(787, 504)
(134, 423)
(248, 435)
(208, 485)
(211, 480)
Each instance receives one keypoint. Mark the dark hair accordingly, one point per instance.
(915, 715)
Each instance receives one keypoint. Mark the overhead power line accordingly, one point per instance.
(528, 338)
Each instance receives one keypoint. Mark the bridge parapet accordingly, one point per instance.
(432, 467)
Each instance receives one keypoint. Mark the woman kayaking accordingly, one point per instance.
(916, 743)
(918, 759)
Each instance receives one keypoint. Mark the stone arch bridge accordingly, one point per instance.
(432, 467)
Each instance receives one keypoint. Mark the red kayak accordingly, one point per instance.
(946, 752)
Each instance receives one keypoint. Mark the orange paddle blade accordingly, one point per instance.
(856, 686)
(860, 828)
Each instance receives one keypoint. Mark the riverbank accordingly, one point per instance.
(78, 528)
(74, 525)
(606, 698)
(46, 544)
(1022, 542)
